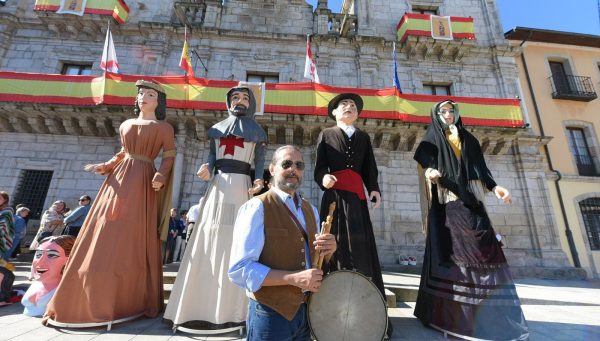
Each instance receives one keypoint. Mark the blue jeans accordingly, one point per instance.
(9, 252)
(265, 324)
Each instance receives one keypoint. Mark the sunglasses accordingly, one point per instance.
(285, 164)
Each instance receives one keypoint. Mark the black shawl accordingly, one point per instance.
(435, 151)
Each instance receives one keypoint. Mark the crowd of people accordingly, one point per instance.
(247, 253)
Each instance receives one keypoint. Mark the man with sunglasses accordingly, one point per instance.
(76, 218)
(345, 165)
(276, 241)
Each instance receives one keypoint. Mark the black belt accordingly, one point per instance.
(232, 166)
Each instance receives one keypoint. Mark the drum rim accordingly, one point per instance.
(356, 273)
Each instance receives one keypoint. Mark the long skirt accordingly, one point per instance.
(466, 287)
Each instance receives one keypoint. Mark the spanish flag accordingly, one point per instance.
(185, 62)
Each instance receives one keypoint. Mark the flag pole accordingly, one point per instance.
(308, 44)
(185, 42)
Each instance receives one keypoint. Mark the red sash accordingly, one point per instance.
(349, 180)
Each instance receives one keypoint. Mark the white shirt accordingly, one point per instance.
(245, 270)
(348, 129)
(193, 213)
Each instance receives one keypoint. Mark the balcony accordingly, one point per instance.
(432, 37)
(116, 8)
(189, 13)
(343, 24)
(576, 88)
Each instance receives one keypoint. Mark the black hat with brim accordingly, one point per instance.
(337, 99)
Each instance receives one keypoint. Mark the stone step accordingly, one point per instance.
(169, 277)
(169, 280)
(562, 273)
(167, 288)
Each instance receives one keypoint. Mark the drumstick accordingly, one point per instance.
(318, 262)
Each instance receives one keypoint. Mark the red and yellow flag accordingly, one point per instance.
(118, 9)
(185, 63)
(306, 98)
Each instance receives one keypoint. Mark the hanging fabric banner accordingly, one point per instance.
(76, 7)
(440, 28)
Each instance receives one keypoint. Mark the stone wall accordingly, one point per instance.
(236, 37)
(527, 225)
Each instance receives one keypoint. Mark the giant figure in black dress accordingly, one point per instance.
(466, 287)
(345, 166)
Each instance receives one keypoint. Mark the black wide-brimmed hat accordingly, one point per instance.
(337, 99)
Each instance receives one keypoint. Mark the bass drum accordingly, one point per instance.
(348, 307)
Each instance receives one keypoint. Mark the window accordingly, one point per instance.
(581, 151)
(439, 90)
(262, 77)
(32, 187)
(590, 209)
(76, 69)
(424, 10)
(149, 65)
(559, 76)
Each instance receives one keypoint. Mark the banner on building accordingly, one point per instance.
(441, 28)
(258, 89)
(306, 98)
(76, 7)
(116, 8)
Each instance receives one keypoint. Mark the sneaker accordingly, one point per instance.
(403, 260)
(412, 260)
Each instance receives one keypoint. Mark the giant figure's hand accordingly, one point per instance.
(258, 186)
(329, 180)
(98, 168)
(157, 185)
(375, 195)
(502, 193)
(432, 174)
(204, 172)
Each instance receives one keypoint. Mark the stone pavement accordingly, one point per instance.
(555, 310)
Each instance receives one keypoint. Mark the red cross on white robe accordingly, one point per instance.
(230, 142)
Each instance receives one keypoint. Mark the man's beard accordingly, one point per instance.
(240, 110)
(283, 184)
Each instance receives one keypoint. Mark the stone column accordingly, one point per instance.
(180, 141)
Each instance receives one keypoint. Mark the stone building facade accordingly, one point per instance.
(266, 39)
(559, 71)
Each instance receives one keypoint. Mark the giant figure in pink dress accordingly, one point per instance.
(115, 271)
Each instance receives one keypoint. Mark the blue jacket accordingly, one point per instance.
(77, 217)
(20, 228)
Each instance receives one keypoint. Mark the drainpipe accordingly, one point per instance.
(568, 232)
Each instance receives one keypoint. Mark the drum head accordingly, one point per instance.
(348, 307)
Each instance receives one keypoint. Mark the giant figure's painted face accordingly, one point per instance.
(48, 262)
(240, 102)
(346, 111)
(446, 112)
(147, 99)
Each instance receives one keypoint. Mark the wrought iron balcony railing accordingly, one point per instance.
(571, 87)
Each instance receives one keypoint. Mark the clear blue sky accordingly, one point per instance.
(579, 16)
